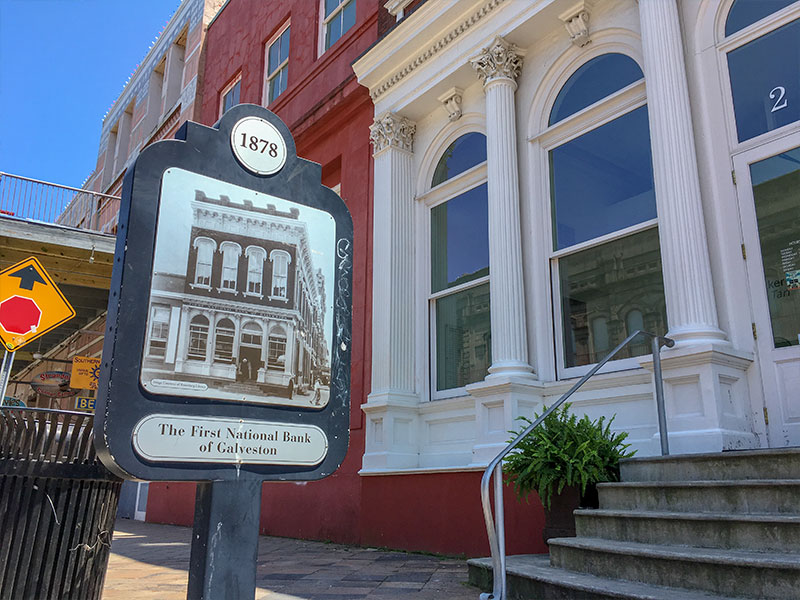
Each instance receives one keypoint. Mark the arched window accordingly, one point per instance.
(603, 208)
(198, 338)
(763, 69)
(276, 350)
(223, 341)
(280, 273)
(231, 251)
(255, 269)
(459, 292)
(205, 258)
(464, 153)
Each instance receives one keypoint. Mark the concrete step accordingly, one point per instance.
(768, 533)
(738, 573)
(779, 463)
(745, 497)
(531, 577)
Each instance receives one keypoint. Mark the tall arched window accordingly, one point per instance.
(280, 273)
(276, 350)
(255, 269)
(205, 259)
(459, 292)
(224, 336)
(198, 338)
(231, 251)
(603, 208)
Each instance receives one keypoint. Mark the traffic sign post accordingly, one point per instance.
(227, 354)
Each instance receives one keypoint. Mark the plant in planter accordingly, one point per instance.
(562, 460)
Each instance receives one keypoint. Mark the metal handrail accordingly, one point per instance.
(495, 524)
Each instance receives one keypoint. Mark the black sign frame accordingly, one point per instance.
(122, 401)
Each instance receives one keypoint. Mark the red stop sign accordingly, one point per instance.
(19, 315)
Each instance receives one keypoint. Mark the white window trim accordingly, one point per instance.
(272, 256)
(227, 89)
(196, 246)
(324, 21)
(588, 119)
(150, 323)
(268, 76)
(444, 192)
(737, 40)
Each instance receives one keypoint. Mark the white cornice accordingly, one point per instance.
(366, 68)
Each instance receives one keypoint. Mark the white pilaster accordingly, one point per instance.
(499, 66)
(391, 407)
(689, 291)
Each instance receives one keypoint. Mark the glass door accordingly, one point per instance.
(769, 201)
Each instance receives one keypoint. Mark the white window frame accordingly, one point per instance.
(151, 337)
(724, 45)
(444, 192)
(587, 119)
(189, 355)
(196, 244)
(215, 357)
(236, 80)
(253, 255)
(269, 76)
(225, 248)
(323, 20)
(273, 256)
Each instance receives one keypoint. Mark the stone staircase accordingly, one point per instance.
(691, 527)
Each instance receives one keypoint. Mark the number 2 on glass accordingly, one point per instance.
(781, 101)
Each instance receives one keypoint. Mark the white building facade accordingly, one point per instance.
(551, 176)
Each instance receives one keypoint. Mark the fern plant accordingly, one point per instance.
(565, 451)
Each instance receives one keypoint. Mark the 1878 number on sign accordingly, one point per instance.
(258, 145)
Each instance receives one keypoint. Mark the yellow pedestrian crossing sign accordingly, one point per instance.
(30, 304)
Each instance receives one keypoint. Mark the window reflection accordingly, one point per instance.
(602, 181)
(463, 338)
(598, 78)
(776, 192)
(765, 81)
(466, 152)
(746, 12)
(605, 287)
(460, 239)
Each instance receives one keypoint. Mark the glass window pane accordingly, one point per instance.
(460, 239)
(466, 152)
(349, 18)
(602, 181)
(765, 81)
(285, 44)
(747, 12)
(334, 31)
(274, 56)
(593, 81)
(776, 191)
(330, 6)
(608, 282)
(463, 338)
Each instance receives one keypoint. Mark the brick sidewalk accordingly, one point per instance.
(150, 562)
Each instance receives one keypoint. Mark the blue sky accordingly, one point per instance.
(62, 65)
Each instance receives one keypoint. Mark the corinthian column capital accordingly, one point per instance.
(499, 60)
(392, 130)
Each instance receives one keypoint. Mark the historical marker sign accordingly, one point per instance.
(30, 304)
(227, 355)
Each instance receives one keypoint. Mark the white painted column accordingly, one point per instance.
(393, 257)
(691, 309)
(499, 66)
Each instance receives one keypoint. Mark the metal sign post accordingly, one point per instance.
(227, 355)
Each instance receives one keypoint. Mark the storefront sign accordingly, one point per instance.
(54, 384)
(84, 403)
(85, 371)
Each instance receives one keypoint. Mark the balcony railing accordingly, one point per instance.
(45, 202)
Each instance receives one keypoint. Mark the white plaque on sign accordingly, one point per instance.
(258, 145)
(171, 438)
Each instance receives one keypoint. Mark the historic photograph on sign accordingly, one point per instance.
(241, 302)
